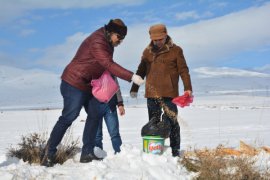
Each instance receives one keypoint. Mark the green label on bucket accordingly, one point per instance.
(153, 144)
(155, 147)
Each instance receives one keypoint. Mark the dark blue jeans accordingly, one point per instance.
(156, 106)
(74, 100)
(112, 123)
(91, 126)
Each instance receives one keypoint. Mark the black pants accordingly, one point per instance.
(155, 108)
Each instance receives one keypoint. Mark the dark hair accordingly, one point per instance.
(117, 26)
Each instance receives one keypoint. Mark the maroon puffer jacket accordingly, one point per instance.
(92, 58)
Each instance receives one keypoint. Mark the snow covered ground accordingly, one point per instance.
(230, 105)
(208, 122)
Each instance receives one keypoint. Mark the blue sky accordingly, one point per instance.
(46, 34)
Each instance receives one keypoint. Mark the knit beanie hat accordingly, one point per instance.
(157, 31)
(117, 26)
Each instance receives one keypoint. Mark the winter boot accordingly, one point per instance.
(48, 160)
(175, 153)
(89, 157)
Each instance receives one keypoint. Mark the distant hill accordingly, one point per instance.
(40, 89)
(224, 80)
(28, 88)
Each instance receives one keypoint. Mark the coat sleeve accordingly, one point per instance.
(141, 71)
(183, 70)
(104, 57)
(119, 95)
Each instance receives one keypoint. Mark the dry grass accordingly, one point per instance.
(29, 149)
(33, 147)
(215, 164)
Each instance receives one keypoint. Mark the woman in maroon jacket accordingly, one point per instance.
(93, 57)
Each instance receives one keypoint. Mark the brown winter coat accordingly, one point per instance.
(92, 58)
(162, 69)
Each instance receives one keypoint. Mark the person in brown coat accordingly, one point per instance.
(162, 64)
(94, 56)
